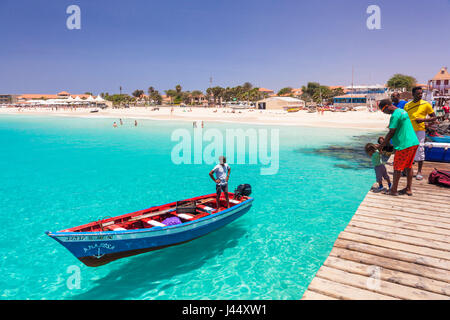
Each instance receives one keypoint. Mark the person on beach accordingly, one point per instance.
(222, 171)
(135, 123)
(395, 97)
(418, 110)
(380, 169)
(405, 143)
(121, 122)
(114, 125)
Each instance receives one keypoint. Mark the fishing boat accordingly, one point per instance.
(100, 242)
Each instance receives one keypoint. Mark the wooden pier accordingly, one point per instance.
(393, 248)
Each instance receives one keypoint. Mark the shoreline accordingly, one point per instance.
(361, 120)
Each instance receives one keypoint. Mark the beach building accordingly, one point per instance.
(363, 95)
(440, 84)
(62, 99)
(8, 98)
(267, 91)
(348, 100)
(279, 103)
(439, 88)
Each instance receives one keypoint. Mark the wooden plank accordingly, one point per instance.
(396, 245)
(433, 244)
(409, 202)
(432, 231)
(151, 214)
(372, 225)
(430, 192)
(392, 264)
(311, 295)
(406, 279)
(393, 254)
(441, 202)
(405, 207)
(376, 284)
(407, 211)
(341, 291)
(393, 216)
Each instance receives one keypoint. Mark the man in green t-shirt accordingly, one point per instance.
(405, 143)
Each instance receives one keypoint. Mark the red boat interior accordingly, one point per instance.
(182, 211)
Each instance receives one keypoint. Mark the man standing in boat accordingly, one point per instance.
(222, 171)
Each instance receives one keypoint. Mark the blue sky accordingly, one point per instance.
(270, 43)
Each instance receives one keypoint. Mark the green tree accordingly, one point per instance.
(216, 92)
(401, 81)
(137, 93)
(171, 94)
(284, 91)
(247, 86)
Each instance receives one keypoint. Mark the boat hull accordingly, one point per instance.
(99, 248)
(443, 139)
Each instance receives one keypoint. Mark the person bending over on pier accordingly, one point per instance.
(222, 171)
(405, 143)
(380, 169)
(387, 151)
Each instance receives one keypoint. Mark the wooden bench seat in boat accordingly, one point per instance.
(153, 223)
(205, 208)
(185, 216)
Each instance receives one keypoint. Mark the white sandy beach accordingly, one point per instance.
(351, 119)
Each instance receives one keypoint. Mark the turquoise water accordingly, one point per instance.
(62, 172)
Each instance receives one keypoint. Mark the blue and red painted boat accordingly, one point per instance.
(100, 242)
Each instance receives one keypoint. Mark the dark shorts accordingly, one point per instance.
(380, 172)
(220, 188)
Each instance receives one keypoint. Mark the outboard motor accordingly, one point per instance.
(242, 190)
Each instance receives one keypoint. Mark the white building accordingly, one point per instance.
(279, 103)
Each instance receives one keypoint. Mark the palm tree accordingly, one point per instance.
(138, 93)
(196, 94)
(171, 94)
(247, 86)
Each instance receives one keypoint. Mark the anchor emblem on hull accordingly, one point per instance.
(98, 256)
(97, 248)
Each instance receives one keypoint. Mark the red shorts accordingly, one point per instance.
(404, 158)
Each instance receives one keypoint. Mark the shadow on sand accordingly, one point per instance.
(145, 272)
